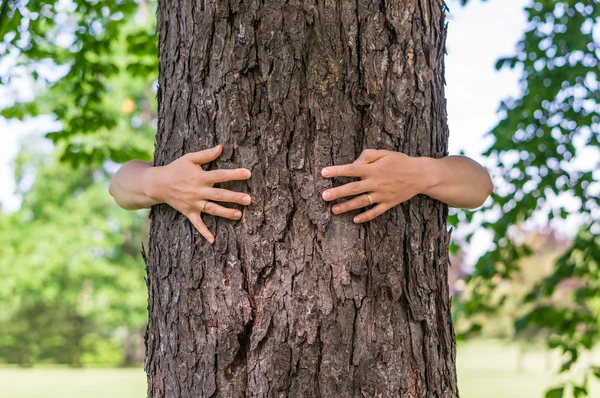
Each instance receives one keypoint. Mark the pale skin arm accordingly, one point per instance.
(391, 178)
(183, 185)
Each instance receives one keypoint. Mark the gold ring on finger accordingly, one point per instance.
(370, 199)
(203, 206)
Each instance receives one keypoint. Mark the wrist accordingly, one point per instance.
(151, 184)
(429, 174)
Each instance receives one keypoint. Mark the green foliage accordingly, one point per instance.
(555, 392)
(72, 288)
(70, 269)
(94, 44)
(543, 133)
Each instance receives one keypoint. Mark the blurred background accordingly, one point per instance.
(78, 98)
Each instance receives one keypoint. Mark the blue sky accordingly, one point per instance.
(478, 35)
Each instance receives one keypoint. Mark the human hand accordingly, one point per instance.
(388, 178)
(186, 187)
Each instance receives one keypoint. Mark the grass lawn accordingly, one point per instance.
(72, 383)
(485, 370)
(490, 369)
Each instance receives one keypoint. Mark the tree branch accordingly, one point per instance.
(3, 13)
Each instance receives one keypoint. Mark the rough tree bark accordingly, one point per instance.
(292, 301)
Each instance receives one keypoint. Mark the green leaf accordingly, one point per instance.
(555, 392)
(579, 391)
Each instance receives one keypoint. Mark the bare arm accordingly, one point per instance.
(389, 178)
(127, 186)
(458, 181)
(183, 185)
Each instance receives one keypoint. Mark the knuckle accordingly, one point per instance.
(355, 188)
(364, 200)
(218, 195)
(351, 168)
(201, 193)
(200, 178)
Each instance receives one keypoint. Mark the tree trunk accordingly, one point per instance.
(291, 300)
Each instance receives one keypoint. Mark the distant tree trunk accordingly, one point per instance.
(292, 301)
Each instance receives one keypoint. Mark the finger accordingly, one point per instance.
(371, 213)
(353, 204)
(347, 170)
(370, 155)
(352, 188)
(224, 175)
(205, 156)
(217, 210)
(225, 195)
(201, 227)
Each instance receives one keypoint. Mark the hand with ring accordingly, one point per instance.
(388, 178)
(182, 184)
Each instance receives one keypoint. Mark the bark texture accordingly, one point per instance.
(291, 300)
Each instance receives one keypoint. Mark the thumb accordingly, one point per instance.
(205, 156)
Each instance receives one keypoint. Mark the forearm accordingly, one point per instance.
(458, 181)
(127, 186)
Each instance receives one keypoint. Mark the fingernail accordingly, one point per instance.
(237, 214)
(247, 200)
(326, 195)
(247, 174)
(357, 219)
(336, 209)
(325, 172)
(211, 240)
(217, 147)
